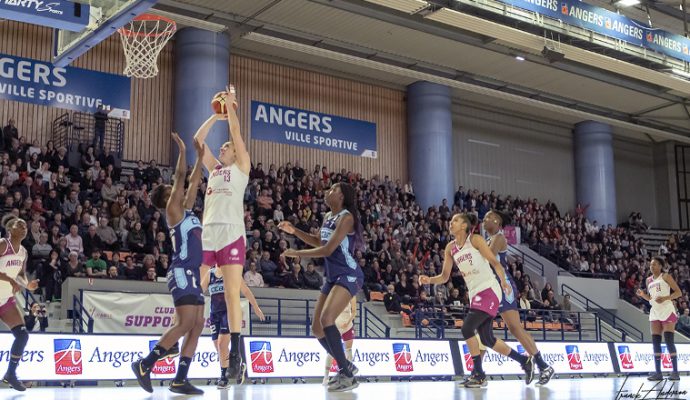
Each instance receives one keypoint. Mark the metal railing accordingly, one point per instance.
(625, 329)
(545, 323)
(80, 315)
(371, 325)
(527, 259)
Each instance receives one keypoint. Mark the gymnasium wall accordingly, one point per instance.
(513, 155)
(528, 158)
(277, 84)
(151, 102)
(635, 180)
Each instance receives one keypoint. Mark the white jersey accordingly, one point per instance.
(659, 288)
(475, 269)
(344, 317)
(224, 203)
(11, 262)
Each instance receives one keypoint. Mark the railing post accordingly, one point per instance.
(307, 320)
(280, 322)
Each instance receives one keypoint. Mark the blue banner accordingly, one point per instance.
(58, 14)
(605, 22)
(38, 82)
(287, 125)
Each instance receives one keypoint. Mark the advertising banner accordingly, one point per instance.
(564, 357)
(609, 23)
(512, 234)
(271, 357)
(305, 128)
(639, 357)
(62, 14)
(87, 357)
(147, 313)
(38, 82)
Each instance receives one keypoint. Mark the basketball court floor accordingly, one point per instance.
(558, 389)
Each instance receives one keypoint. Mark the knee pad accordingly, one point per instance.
(668, 338)
(656, 344)
(486, 335)
(467, 331)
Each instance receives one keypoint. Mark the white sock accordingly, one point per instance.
(348, 354)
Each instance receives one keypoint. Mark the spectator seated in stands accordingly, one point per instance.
(312, 278)
(73, 267)
(253, 278)
(113, 273)
(528, 315)
(95, 266)
(684, 320)
(132, 271)
(268, 270)
(294, 280)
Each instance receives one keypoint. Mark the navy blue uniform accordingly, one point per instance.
(509, 302)
(219, 312)
(183, 275)
(341, 267)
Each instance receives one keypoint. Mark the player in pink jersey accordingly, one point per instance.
(12, 279)
(475, 259)
(223, 237)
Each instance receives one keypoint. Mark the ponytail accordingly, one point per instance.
(8, 220)
(472, 222)
(350, 204)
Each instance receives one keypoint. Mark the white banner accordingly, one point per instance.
(564, 357)
(271, 357)
(142, 313)
(639, 357)
(96, 357)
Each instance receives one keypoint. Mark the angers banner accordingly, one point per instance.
(270, 357)
(639, 357)
(564, 357)
(287, 125)
(42, 83)
(147, 313)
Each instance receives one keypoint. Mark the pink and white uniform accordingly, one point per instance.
(665, 311)
(223, 237)
(11, 263)
(484, 291)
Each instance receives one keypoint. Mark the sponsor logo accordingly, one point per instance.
(574, 360)
(665, 357)
(67, 356)
(261, 357)
(626, 357)
(402, 357)
(469, 362)
(165, 366)
(37, 5)
(233, 252)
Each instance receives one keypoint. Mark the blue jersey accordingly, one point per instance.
(217, 292)
(503, 259)
(341, 261)
(186, 242)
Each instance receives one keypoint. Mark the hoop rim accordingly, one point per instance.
(169, 31)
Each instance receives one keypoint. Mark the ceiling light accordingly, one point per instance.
(520, 58)
(627, 3)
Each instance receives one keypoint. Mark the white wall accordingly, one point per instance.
(601, 291)
(513, 155)
(635, 179)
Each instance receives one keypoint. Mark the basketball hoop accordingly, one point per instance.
(143, 38)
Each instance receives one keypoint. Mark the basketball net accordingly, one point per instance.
(143, 38)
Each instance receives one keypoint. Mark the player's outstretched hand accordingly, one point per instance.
(178, 141)
(286, 227)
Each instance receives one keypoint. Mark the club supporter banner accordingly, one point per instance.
(144, 313)
(287, 125)
(609, 23)
(564, 357)
(270, 357)
(91, 357)
(639, 357)
(37, 82)
(63, 14)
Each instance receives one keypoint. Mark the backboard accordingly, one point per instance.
(106, 16)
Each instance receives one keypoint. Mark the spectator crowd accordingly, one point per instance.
(90, 219)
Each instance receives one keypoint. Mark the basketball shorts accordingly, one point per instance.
(183, 284)
(224, 244)
(7, 304)
(348, 335)
(353, 284)
(487, 301)
(219, 324)
(509, 302)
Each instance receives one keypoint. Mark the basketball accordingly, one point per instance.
(219, 104)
